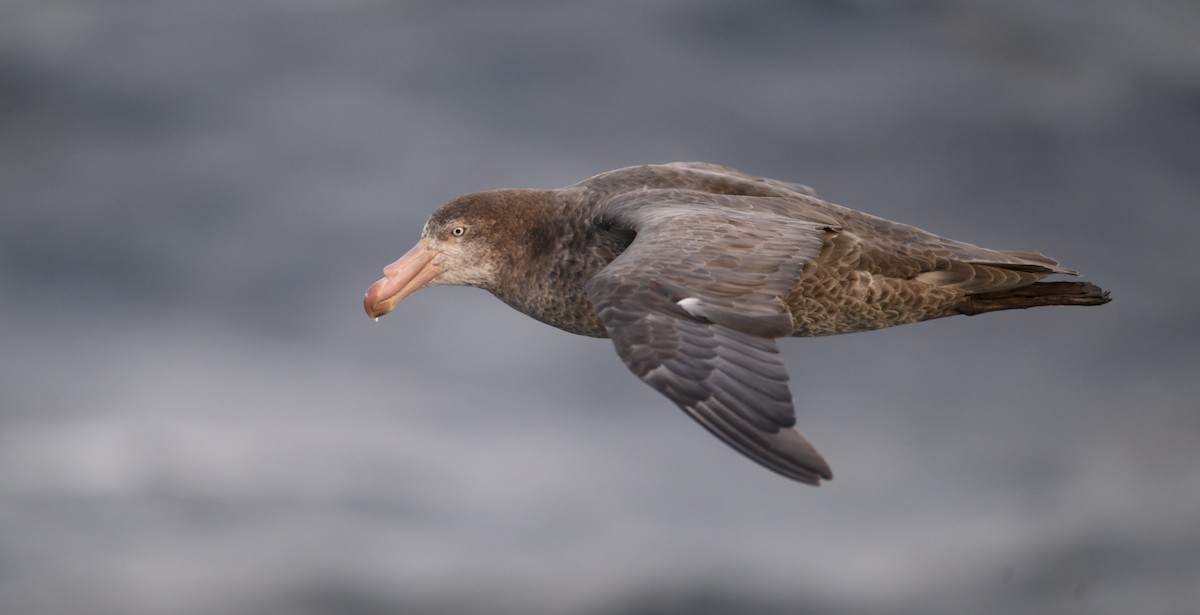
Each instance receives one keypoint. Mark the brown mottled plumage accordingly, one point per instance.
(694, 269)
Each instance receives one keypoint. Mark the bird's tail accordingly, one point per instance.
(1034, 295)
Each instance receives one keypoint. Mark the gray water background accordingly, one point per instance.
(196, 417)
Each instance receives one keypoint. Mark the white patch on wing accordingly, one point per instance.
(661, 369)
(689, 304)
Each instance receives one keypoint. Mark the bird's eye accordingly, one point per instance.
(458, 231)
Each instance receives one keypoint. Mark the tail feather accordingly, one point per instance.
(1034, 295)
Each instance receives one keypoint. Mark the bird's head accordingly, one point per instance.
(470, 241)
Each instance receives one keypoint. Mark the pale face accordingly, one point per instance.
(453, 250)
(461, 251)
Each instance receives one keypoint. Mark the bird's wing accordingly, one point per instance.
(719, 170)
(901, 251)
(693, 307)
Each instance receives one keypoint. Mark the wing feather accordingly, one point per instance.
(693, 307)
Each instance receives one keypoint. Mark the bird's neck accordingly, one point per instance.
(562, 253)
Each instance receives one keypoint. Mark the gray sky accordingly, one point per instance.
(197, 418)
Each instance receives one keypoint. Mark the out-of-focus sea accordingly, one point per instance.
(196, 418)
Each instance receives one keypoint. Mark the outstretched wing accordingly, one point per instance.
(695, 302)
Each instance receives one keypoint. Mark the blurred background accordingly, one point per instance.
(197, 418)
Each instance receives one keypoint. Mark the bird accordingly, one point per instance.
(695, 270)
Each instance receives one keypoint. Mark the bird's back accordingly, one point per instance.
(871, 273)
